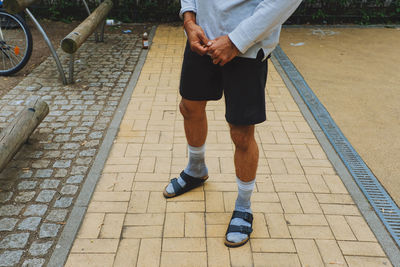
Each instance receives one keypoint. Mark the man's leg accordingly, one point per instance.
(194, 121)
(195, 124)
(246, 162)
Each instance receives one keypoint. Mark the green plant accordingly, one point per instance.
(310, 11)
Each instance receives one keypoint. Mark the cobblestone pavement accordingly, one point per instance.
(304, 216)
(39, 187)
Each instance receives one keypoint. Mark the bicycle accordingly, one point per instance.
(15, 42)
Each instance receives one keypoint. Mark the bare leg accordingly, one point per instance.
(246, 152)
(195, 121)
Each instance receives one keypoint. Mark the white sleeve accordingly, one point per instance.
(267, 16)
(187, 5)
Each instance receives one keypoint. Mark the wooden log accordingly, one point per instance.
(16, 6)
(19, 130)
(75, 39)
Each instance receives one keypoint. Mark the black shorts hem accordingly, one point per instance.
(201, 98)
(246, 123)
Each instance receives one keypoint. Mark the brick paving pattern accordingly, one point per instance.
(38, 188)
(304, 216)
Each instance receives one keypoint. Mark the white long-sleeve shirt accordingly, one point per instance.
(250, 24)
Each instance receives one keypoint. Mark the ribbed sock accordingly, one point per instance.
(196, 166)
(245, 190)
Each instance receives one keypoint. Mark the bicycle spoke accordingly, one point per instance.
(15, 46)
(9, 56)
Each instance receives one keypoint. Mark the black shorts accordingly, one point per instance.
(241, 80)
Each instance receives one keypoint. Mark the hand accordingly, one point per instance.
(222, 50)
(196, 36)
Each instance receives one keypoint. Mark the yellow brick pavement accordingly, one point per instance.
(304, 215)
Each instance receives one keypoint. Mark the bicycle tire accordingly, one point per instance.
(20, 22)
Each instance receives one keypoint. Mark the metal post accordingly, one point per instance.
(102, 31)
(49, 44)
(71, 68)
(86, 6)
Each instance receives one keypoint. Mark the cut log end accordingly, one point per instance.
(68, 46)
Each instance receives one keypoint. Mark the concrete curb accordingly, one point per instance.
(78, 212)
(384, 238)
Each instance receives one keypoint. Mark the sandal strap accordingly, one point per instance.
(190, 179)
(177, 187)
(239, 229)
(248, 217)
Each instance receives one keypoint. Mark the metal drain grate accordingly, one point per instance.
(379, 199)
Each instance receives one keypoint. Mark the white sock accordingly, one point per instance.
(196, 166)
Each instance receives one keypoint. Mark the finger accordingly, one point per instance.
(199, 49)
(203, 38)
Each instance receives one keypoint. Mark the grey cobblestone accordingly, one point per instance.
(62, 138)
(9, 210)
(7, 224)
(25, 196)
(35, 210)
(96, 135)
(61, 173)
(10, 258)
(14, 241)
(52, 154)
(26, 185)
(45, 173)
(79, 170)
(48, 230)
(83, 161)
(30, 223)
(76, 179)
(62, 164)
(61, 150)
(66, 130)
(63, 202)
(69, 189)
(70, 146)
(57, 215)
(39, 249)
(49, 184)
(33, 263)
(45, 196)
(39, 164)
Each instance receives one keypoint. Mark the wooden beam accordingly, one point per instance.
(19, 130)
(16, 6)
(75, 39)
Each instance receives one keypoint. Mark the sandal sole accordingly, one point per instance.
(236, 245)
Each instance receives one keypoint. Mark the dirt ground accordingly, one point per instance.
(356, 75)
(56, 31)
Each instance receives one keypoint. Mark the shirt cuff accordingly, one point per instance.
(186, 9)
(241, 40)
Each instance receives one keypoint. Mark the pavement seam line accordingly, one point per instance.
(376, 225)
(71, 228)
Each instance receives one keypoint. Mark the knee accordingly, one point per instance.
(189, 111)
(242, 136)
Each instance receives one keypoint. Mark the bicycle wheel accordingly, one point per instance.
(15, 43)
